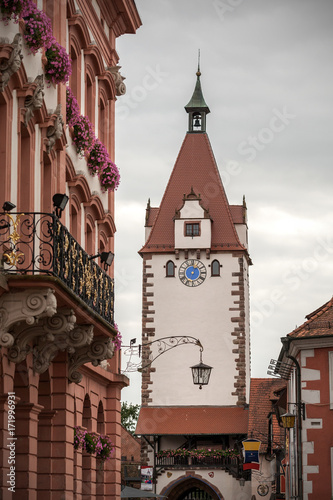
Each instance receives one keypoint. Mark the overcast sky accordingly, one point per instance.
(267, 77)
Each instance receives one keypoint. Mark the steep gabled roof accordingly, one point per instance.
(319, 323)
(195, 168)
(262, 397)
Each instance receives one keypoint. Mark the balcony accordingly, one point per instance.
(38, 244)
(232, 464)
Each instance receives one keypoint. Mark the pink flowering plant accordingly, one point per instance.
(38, 28)
(117, 339)
(11, 9)
(59, 65)
(83, 135)
(109, 177)
(97, 158)
(101, 446)
(72, 108)
(199, 454)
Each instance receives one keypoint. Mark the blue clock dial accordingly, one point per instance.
(192, 272)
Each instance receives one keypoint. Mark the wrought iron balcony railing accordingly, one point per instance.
(234, 465)
(38, 244)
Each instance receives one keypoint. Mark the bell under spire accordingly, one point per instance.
(197, 107)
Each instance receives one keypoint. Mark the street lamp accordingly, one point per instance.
(201, 372)
(59, 202)
(288, 420)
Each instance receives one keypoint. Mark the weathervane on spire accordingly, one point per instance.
(197, 107)
(198, 72)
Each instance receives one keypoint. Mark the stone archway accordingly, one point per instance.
(191, 487)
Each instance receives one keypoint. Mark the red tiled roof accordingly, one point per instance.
(237, 213)
(195, 168)
(262, 397)
(152, 213)
(319, 323)
(192, 420)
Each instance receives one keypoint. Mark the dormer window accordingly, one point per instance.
(192, 229)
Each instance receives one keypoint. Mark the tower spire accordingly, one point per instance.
(197, 108)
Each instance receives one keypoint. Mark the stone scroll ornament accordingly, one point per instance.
(10, 66)
(55, 131)
(118, 80)
(100, 349)
(35, 101)
(27, 306)
(44, 332)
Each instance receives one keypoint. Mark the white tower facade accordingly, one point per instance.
(196, 284)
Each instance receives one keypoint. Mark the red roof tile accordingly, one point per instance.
(192, 420)
(319, 323)
(195, 168)
(237, 213)
(152, 213)
(262, 397)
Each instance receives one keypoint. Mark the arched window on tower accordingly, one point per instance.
(170, 269)
(215, 268)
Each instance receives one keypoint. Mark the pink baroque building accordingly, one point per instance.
(60, 367)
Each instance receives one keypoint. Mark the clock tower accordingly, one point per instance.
(195, 283)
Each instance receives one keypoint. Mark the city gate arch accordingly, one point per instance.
(191, 488)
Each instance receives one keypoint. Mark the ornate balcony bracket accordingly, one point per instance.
(99, 350)
(118, 80)
(10, 65)
(45, 351)
(27, 306)
(46, 330)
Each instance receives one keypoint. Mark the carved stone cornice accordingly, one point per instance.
(45, 351)
(100, 349)
(45, 331)
(11, 59)
(27, 306)
(118, 80)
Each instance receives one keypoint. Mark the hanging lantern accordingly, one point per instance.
(201, 373)
(288, 420)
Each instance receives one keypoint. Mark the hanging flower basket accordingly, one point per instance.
(72, 108)
(11, 9)
(109, 176)
(101, 445)
(97, 158)
(83, 135)
(58, 67)
(38, 29)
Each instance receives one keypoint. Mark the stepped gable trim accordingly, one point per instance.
(192, 420)
(319, 323)
(194, 163)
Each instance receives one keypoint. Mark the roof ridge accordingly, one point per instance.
(313, 316)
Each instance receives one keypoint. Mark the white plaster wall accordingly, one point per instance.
(80, 165)
(242, 234)
(201, 312)
(202, 241)
(224, 482)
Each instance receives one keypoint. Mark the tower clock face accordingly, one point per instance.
(192, 272)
